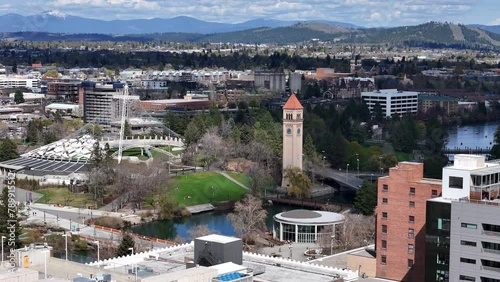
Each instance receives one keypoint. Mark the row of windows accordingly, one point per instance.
(411, 218)
(483, 279)
(410, 203)
(411, 247)
(411, 231)
(383, 259)
(412, 191)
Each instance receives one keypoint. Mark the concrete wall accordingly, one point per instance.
(368, 265)
(32, 256)
(292, 141)
(472, 213)
(198, 274)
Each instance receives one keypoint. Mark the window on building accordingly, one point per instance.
(384, 229)
(385, 188)
(488, 228)
(491, 247)
(410, 263)
(383, 259)
(384, 215)
(412, 204)
(466, 278)
(384, 244)
(384, 201)
(434, 193)
(443, 224)
(468, 260)
(469, 225)
(411, 233)
(488, 279)
(456, 182)
(412, 190)
(443, 258)
(493, 265)
(411, 248)
(411, 219)
(468, 243)
(442, 275)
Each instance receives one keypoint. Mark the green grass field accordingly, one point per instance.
(241, 178)
(203, 188)
(61, 196)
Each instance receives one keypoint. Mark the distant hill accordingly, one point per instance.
(490, 28)
(57, 22)
(429, 34)
(433, 34)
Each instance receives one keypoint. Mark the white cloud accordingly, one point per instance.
(496, 22)
(360, 12)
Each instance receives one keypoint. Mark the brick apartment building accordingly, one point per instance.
(401, 217)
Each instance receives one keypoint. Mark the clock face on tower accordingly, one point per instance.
(298, 130)
(288, 131)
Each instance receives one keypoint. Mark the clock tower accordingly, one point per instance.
(292, 135)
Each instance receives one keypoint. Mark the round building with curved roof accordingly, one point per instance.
(305, 226)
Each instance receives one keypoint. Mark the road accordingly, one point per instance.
(344, 178)
(72, 219)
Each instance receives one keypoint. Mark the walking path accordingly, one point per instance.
(72, 219)
(223, 173)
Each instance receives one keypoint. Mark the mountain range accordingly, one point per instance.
(53, 25)
(57, 22)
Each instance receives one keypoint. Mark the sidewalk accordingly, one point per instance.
(233, 180)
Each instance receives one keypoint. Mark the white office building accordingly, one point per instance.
(392, 101)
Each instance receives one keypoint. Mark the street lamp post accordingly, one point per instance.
(331, 244)
(66, 244)
(380, 162)
(98, 258)
(357, 161)
(3, 237)
(135, 266)
(347, 173)
(324, 166)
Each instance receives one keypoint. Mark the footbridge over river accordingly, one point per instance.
(348, 179)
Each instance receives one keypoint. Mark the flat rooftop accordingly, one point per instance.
(172, 259)
(309, 217)
(218, 238)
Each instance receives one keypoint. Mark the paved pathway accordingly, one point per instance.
(70, 219)
(233, 180)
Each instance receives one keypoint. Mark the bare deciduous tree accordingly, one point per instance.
(357, 231)
(200, 230)
(212, 146)
(260, 176)
(134, 183)
(248, 218)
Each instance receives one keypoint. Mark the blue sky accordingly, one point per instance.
(369, 13)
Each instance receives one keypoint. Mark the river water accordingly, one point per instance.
(216, 220)
(470, 136)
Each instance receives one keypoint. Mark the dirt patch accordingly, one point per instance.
(238, 165)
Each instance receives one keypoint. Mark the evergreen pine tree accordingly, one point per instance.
(127, 131)
(126, 243)
(8, 150)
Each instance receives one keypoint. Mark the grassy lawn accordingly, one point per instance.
(61, 196)
(241, 178)
(196, 189)
(401, 156)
